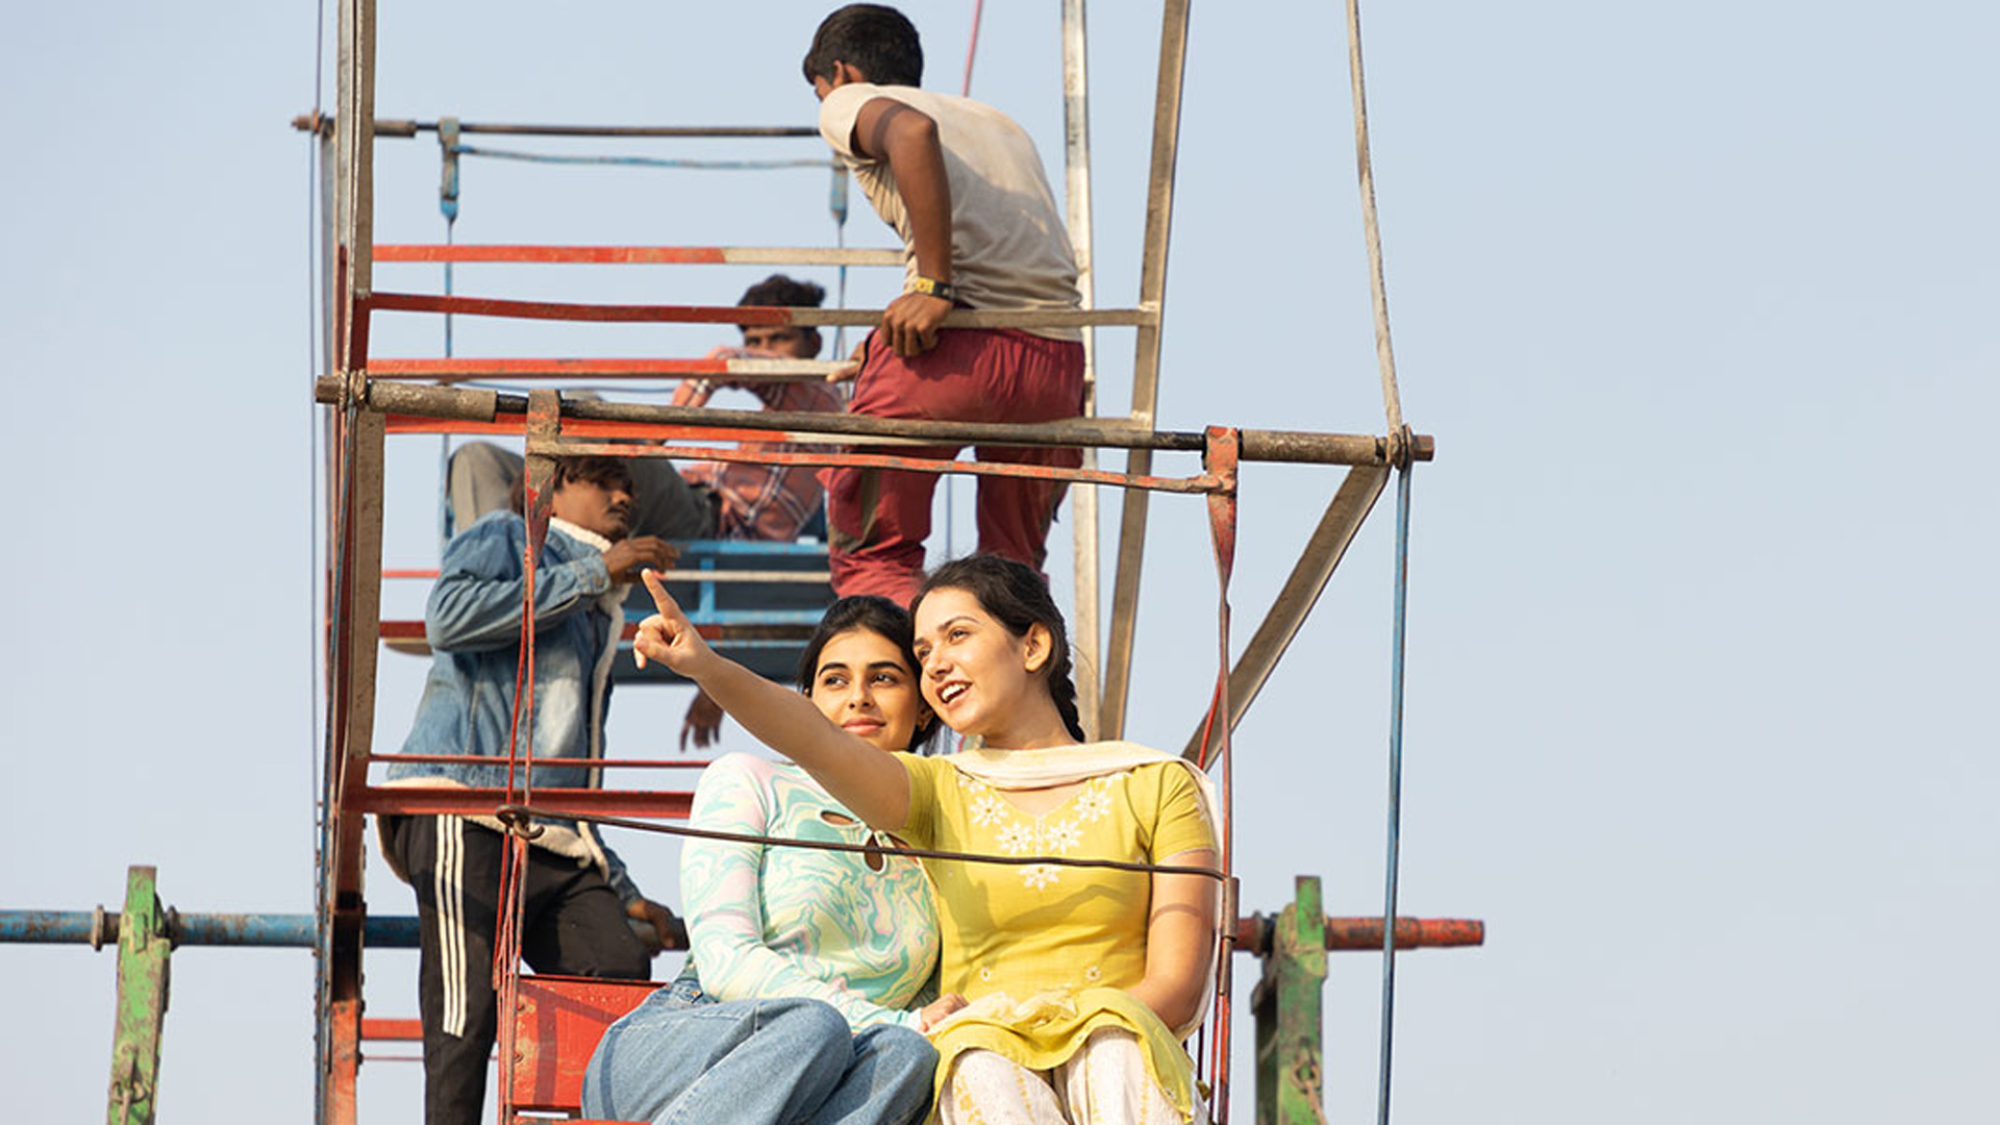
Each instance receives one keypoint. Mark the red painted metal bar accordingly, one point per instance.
(1206, 482)
(414, 631)
(509, 425)
(1364, 934)
(606, 255)
(392, 800)
(398, 1030)
(501, 760)
(562, 310)
(463, 369)
(406, 127)
(635, 255)
(763, 315)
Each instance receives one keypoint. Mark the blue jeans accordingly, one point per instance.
(682, 1056)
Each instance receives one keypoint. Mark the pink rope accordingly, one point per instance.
(972, 47)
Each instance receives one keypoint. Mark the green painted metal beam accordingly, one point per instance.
(1286, 1003)
(143, 960)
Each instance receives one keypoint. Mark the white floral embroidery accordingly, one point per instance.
(1038, 876)
(1018, 835)
(988, 808)
(1060, 838)
(985, 973)
(1095, 804)
(1092, 973)
(1017, 838)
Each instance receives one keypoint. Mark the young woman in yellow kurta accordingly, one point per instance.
(1079, 983)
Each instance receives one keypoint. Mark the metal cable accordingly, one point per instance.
(519, 816)
(1385, 355)
(315, 758)
(1395, 816)
(641, 161)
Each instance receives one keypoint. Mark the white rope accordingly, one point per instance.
(1385, 354)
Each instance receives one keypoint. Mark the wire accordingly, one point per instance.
(1395, 816)
(641, 161)
(518, 816)
(444, 512)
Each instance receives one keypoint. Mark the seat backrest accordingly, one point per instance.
(557, 1028)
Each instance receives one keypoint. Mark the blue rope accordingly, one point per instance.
(1395, 789)
(641, 161)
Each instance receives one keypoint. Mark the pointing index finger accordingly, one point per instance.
(662, 601)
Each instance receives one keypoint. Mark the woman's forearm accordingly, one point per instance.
(856, 773)
(1180, 940)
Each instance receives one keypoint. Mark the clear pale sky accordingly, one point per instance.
(1698, 301)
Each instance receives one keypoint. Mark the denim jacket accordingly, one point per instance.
(473, 624)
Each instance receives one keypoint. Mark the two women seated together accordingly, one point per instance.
(862, 988)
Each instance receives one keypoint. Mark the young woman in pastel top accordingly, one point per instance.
(1081, 981)
(796, 1003)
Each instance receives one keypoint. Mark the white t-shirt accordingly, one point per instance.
(1009, 249)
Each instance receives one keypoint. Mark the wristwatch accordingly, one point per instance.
(932, 287)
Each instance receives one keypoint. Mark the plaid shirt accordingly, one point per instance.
(761, 501)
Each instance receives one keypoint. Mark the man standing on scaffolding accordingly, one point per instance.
(577, 896)
(962, 184)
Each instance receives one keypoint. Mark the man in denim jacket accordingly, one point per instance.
(577, 893)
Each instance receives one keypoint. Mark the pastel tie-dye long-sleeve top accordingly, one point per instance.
(773, 921)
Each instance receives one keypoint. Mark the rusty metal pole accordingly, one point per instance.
(357, 554)
(1286, 1003)
(144, 952)
(1146, 363)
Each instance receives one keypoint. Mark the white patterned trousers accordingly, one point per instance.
(1105, 1083)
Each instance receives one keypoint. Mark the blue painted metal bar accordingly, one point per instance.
(74, 927)
(691, 547)
(641, 161)
(743, 616)
(1395, 789)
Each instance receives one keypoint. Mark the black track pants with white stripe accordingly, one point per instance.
(573, 924)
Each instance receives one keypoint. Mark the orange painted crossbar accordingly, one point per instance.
(445, 370)
(412, 800)
(513, 425)
(403, 1030)
(762, 315)
(607, 255)
(640, 255)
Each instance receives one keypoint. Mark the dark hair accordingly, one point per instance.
(778, 289)
(875, 39)
(885, 619)
(1017, 597)
(604, 471)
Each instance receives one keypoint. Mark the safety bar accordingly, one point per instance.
(479, 405)
(323, 123)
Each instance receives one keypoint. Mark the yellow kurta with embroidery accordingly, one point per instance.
(1042, 953)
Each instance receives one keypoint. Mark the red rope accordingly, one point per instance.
(543, 410)
(1220, 461)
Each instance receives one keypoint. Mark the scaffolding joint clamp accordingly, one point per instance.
(518, 822)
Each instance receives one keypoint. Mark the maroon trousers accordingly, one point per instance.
(877, 519)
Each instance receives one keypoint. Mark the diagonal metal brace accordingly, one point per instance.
(1337, 527)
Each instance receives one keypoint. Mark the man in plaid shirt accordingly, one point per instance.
(766, 501)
